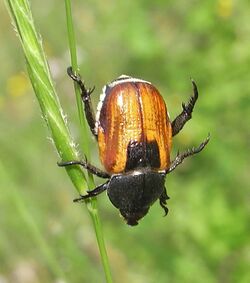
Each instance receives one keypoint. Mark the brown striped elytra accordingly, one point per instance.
(133, 127)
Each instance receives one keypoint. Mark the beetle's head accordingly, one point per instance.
(134, 193)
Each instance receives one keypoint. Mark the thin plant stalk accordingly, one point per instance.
(91, 204)
(74, 65)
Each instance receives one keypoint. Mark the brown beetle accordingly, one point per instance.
(134, 135)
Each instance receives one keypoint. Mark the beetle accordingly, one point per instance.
(134, 135)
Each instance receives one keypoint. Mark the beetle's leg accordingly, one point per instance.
(85, 94)
(186, 113)
(92, 169)
(180, 157)
(98, 190)
(163, 201)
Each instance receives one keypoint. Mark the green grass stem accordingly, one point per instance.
(92, 203)
(73, 57)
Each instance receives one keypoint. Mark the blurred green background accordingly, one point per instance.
(44, 237)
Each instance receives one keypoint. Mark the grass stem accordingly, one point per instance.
(92, 203)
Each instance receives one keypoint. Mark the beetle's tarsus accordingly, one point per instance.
(81, 198)
(163, 201)
(98, 190)
(85, 92)
(84, 163)
(189, 152)
(72, 74)
(85, 95)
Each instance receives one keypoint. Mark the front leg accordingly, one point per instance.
(85, 94)
(186, 113)
(180, 157)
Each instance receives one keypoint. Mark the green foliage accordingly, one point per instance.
(205, 237)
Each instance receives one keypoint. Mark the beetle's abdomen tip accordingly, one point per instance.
(132, 217)
(132, 222)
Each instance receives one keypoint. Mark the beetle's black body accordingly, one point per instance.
(134, 136)
(134, 193)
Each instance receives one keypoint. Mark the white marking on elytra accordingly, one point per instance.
(99, 107)
(126, 79)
